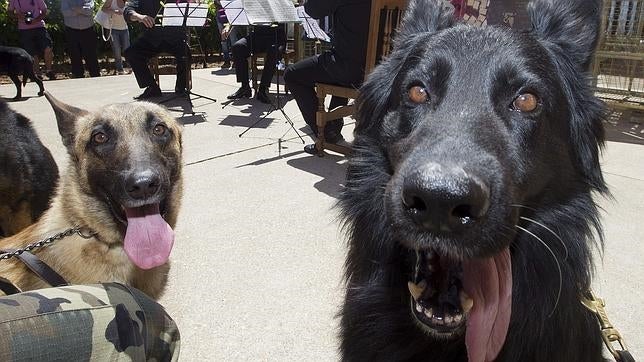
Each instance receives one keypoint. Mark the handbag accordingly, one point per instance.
(105, 21)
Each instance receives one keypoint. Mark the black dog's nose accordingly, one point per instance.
(142, 184)
(442, 199)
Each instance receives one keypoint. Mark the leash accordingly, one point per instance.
(612, 339)
(37, 266)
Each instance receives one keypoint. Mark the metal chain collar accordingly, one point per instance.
(47, 241)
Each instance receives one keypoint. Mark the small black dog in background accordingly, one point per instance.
(16, 61)
(468, 198)
(28, 172)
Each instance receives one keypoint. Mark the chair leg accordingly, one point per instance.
(320, 122)
(253, 71)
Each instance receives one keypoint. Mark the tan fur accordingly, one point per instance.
(101, 258)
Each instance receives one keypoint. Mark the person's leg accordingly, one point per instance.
(273, 54)
(73, 49)
(178, 47)
(27, 42)
(46, 45)
(138, 55)
(116, 49)
(79, 322)
(241, 52)
(88, 50)
(301, 78)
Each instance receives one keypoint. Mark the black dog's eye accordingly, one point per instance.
(100, 138)
(159, 130)
(418, 94)
(526, 102)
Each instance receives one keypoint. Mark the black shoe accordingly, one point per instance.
(226, 65)
(262, 95)
(311, 150)
(149, 92)
(243, 92)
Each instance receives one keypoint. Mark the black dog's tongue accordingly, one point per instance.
(148, 238)
(489, 283)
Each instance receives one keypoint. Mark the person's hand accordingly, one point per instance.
(225, 33)
(146, 20)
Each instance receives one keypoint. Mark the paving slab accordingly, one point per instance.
(257, 264)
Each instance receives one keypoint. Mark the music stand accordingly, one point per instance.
(273, 13)
(185, 15)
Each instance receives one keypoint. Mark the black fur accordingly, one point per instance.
(546, 161)
(15, 62)
(28, 172)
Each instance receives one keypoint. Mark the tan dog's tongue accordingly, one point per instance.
(148, 239)
(489, 283)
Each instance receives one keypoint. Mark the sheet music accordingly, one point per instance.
(235, 12)
(273, 11)
(173, 14)
(311, 26)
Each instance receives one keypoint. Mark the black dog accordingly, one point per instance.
(15, 62)
(468, 198)
(28, 173)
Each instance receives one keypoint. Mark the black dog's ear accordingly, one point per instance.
(66, 117)
(573, 25)
(426, 16)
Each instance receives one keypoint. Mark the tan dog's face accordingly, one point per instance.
(128, 158)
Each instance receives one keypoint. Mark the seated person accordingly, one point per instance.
(263, 39)
(342, 65)
(155, 40)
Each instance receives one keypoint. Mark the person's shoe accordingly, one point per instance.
(262, 95)
(226, 65)
(120, 72)
(243, 92)
(150, 92)
(311, 149)
(51, 75)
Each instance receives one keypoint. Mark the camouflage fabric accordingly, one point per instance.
(103, 322)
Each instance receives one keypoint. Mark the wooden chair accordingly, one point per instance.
(385, 19)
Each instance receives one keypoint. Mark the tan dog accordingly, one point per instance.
(124, 183)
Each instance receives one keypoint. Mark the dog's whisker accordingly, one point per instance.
(551, 231)
(556, 261)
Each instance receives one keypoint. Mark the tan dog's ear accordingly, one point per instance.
(66, 117)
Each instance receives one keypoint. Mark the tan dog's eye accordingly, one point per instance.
(159, 130)
(526, 102)
(418, 94)
(100, 138)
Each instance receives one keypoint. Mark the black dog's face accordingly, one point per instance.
(476, 126)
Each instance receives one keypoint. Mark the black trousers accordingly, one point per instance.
(153, 42)
(324, 68)
(261, 44)
(81, 45)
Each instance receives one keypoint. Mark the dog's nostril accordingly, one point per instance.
(440, 201)
(142, 185)
(463, 212)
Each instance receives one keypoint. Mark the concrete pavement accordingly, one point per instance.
(258, 258)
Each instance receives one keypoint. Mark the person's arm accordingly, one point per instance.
(131, 15)
(43, 11)
(320, 8)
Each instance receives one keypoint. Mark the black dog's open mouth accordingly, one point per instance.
(448, 295)
(438, 299)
